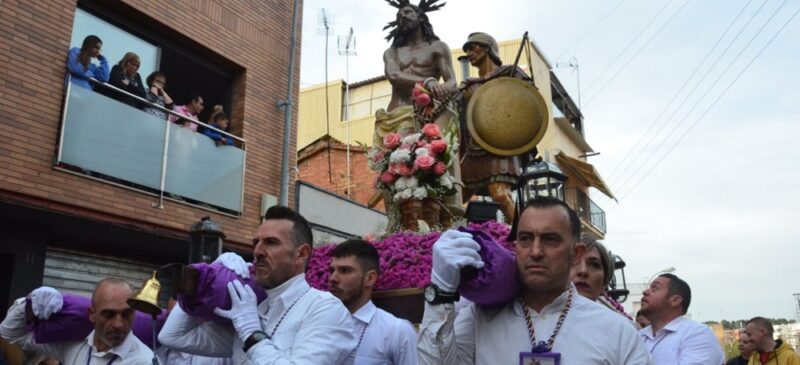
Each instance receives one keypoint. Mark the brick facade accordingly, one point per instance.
(312, 165)
(34, 39)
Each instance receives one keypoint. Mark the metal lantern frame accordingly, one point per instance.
(205, 242)
(541, 178)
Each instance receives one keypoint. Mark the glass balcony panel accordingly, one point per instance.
(112, 138)
(200, 170)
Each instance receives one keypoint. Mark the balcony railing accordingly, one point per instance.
(105, 139)
(588, 210)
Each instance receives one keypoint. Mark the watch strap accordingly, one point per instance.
(254, 338)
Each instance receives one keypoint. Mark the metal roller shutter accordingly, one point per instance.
(78, 272)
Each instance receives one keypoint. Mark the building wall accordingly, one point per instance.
(34, 39)
(314, 170)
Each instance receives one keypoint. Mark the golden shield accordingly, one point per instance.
(507, 116)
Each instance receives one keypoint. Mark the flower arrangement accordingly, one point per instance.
(406, 258)
(415, 166)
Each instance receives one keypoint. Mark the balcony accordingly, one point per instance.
(104, 139)
(587, 209)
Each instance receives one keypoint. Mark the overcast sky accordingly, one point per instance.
(711, 191)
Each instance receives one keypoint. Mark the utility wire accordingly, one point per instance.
(625, 49)
(700, 118)
(590, 30)
(614, 76)
(700, 99)
(612, 176)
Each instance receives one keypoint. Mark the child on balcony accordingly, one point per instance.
(220, 122)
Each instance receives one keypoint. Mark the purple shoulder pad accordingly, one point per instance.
(497, 283)
(212, 292)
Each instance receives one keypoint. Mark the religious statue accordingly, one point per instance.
(481, 169)
(417, 60)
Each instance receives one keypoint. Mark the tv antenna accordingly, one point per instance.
(325, 21)
(347, 48)
(573, 64)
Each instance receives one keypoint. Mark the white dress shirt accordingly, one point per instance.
(591, 334)
(384, 338)
(683, 342)
(168, 356)
(130, 352)
(317, 330)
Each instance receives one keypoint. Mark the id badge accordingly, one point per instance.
(539, 358)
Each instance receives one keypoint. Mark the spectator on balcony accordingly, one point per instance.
(80, 66)
(222, 123)
(191, 110)
(125, 76)
(156, 94)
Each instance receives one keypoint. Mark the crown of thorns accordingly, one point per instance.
(426, 6)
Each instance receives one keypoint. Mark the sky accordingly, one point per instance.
(695, 126)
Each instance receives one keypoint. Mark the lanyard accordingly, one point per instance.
(89, 357)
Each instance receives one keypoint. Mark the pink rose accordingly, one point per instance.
(424, 162)
(439, 169)
(418, 90)
(400, 169)
(391, 140)
(379, 156)
(422, 99)
(420, 144)
(388, 177)
(438, 146)
(431, 131)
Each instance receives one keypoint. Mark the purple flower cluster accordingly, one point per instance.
(405, 258)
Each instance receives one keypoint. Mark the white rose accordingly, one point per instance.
(406, 194)
(411, 182)
(420, 193)
(400, 156)
(401, 183)
(411, 138)
(422, 151)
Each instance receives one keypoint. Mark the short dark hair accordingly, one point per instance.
(365, 253)
(219, 116)
(763, 323)
(677, 286)
(543, 202)
(301, 230)
(153, 75)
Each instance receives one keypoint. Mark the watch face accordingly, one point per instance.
(430, 293)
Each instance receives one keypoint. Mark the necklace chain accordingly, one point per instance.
(548, 346)
(275, 329)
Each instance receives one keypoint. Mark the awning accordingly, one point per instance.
(585, 171)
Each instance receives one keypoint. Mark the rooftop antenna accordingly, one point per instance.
(347, 48)
(573, 64)
(325, 21)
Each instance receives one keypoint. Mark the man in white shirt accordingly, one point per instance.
(295, 324)
(110, 342)
(549, 320)
(382, 337)
(671, 338)
(169, 356)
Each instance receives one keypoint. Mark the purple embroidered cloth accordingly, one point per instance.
(72, 323)
(498, 282)
(212, 292)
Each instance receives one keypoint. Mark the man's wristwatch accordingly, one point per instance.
(434, 295)
(254, 338)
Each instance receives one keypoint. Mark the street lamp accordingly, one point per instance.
(205, 243)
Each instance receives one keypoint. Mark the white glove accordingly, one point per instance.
(244, 310)
(453, 251)
(45, 301)
(235, 263)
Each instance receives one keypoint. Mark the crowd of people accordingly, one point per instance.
(125, 76)
(560, 313)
